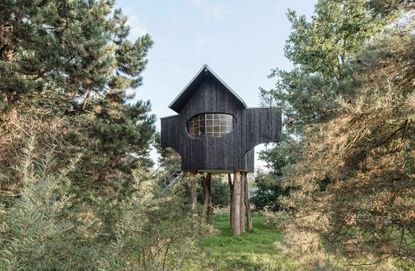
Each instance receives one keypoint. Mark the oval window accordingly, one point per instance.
(212, 124)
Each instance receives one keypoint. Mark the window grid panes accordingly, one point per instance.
(216, 125)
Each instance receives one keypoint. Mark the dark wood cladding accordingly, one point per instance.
(203, 75)
(261, 125)
(235, 150)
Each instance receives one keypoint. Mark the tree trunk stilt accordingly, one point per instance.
(231, 200)
(210, 217)
(207, 199)
(247, 205)
(193, 193)
(236, 203)
(242, 203)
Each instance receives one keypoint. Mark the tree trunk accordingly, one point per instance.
(247, 205)
(207, 199)
(231, 199)
(242, 203)
(236, 203)
(193, 193)
(210, 200)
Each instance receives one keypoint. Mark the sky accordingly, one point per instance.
(241, 40)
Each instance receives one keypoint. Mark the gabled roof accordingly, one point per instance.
(205, 73)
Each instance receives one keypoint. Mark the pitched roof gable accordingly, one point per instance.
(205, 72)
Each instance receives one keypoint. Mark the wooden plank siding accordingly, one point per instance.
(234, 151)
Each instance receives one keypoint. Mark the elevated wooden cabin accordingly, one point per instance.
(215, 131)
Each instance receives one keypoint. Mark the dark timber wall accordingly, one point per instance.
(234, 151)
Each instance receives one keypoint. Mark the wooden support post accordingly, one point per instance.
(207, 198)
(210, 209)
(193, 193)
(236, 203)
(242, 203)
(231, 199)
(247, 205)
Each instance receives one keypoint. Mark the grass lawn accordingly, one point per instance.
(250, 251)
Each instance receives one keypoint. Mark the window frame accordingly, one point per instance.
(212, 124)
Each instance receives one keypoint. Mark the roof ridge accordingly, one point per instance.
(205, 68)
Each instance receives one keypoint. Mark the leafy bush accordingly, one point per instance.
(269, 185)
(46, 227)
(268, 192)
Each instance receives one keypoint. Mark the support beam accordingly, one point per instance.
(247, 205)
(193, 193)
(242, 203)
(210, 209)
(230, 200)
(207, 198)
(236, 203)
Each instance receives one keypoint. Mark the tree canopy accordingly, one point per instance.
(349, 109)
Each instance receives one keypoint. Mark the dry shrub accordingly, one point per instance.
(356, 179)
(25, 121)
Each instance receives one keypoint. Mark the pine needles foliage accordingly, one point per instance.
(77, 188)
(350, 125)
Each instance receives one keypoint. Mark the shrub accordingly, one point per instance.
(47, 226)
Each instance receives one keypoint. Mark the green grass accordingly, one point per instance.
(255, 250)
(250, 251)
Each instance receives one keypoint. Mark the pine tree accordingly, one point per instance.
(348, 102)
(66, 70)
